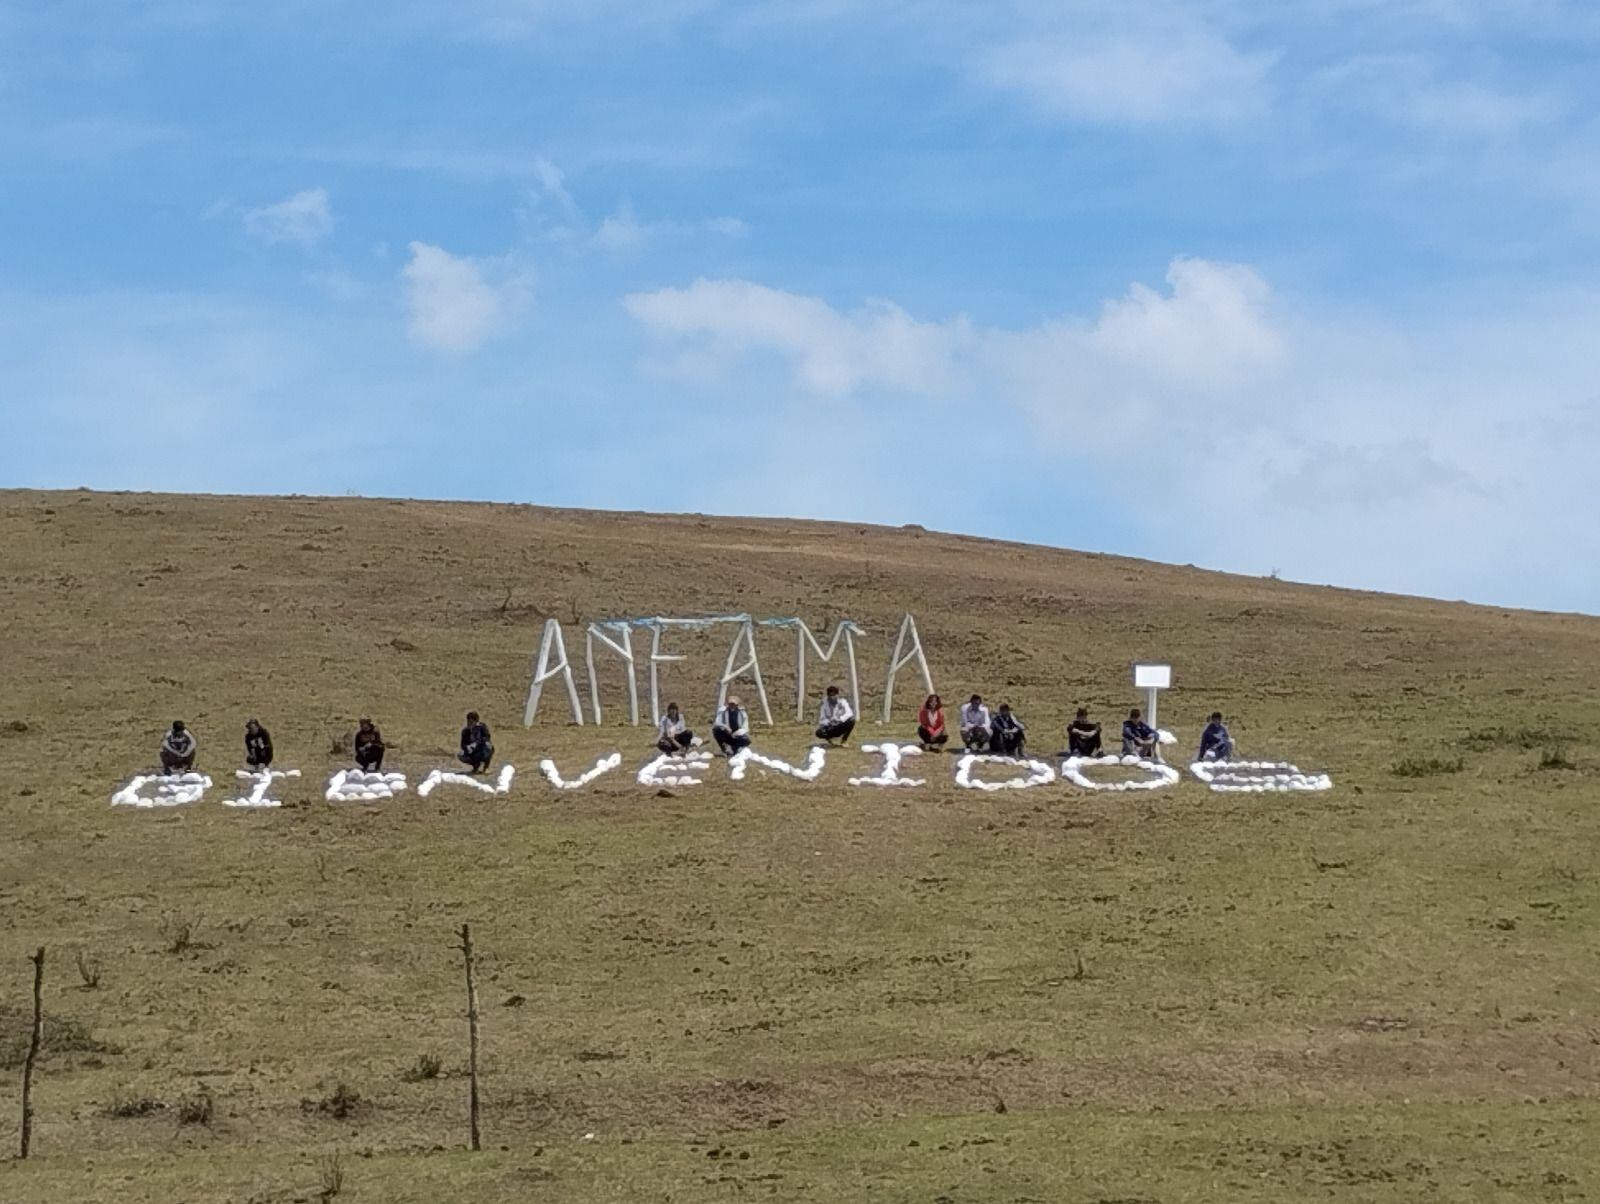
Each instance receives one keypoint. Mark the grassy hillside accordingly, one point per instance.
(778, 990)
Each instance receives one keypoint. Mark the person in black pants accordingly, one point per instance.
(836, 720)
(177, 749)
(369, 747)
(1083, 735)
(477, 750)
(257, 745)
(1008, 734)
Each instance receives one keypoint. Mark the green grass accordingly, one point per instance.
(1386, 992)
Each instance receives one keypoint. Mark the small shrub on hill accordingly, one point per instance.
(197, 1109)
(61, 1037)
(331, 1169)
(341, 1103)
(1425, 767)
(1495, 739)
(126, 1107)
(424, 1068)
(1556, 758)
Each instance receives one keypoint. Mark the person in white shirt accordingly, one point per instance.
(836, 720)
(674, 735)
(731, 728)
(975, 724)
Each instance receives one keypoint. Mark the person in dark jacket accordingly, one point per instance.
(1083, 735)
(257, 745)
(1008, 733)
(477, 750)
(1215, 742)
(731, 728)
(178, 747)
(369, 746)
(1138, 737)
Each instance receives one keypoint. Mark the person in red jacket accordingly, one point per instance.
(930, 724)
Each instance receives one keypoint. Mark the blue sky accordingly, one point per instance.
(1308, 288)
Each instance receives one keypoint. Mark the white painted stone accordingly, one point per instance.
(603, 766)
(889, 775)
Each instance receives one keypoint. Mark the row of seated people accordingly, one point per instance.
(1001, 732)
(179, 748)
(730, 726)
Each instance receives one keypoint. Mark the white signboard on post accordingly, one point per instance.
(1152, 679)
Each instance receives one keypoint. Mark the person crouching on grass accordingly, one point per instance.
(835, 721)
(257, 745)
(477, 749)
(930, 724)
(975, 724)
(1010, 734)
(673, 735)
(1083, 735)
(1215, 742)
(731, 728)
(369, 746)
(178, 747)
(1138, 737)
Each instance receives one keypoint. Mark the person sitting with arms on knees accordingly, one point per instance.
(369, 747)
(835, 721)
(731, 728)
(673, 734)
(1083, 735)
(930, 724)
(257, 745)
(1138, 737)
(178, 747)
(477, 749)
(1215, 742)
(975, 724)
(1009, 733)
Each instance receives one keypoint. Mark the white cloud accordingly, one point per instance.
(451, 304)
(622, 231)
(305, 218)
(1210, 333)
(879, 345)
(1407, 90)
(1130, 71)
(1253, 433)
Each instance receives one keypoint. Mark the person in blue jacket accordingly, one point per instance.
(1215, 742)
(1138, 737)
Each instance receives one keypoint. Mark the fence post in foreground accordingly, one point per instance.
(33, 1050)
(472, 1040)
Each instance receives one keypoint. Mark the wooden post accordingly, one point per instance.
(33, 1049)
(472, 1040)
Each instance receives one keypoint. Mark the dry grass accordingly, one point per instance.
(1373, 994)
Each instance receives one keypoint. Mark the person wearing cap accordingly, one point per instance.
(257, 745)
(975, 732)
(477, 750)
(1083, 735)
(731, 727)
(1009, 733)
(1138, 737)
(178, 747)
(1215, 742)
(672, 734)
(835, 721)
(369, 746)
